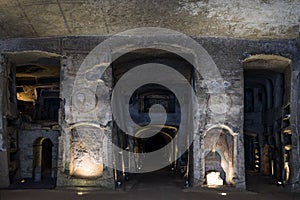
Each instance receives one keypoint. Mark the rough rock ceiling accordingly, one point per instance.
(233, 18)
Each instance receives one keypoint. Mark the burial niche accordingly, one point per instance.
(219, 158)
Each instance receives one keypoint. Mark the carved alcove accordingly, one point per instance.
(219, 147)
(86, 153)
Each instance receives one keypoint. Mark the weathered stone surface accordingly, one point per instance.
(226, 53)
(4, 174)
(26, 145)
(86, 152)
(238, 18)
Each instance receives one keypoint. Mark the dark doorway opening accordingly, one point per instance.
(32, 88)
(267, 135)
(46, 158)
(42, 161)
(141, 101)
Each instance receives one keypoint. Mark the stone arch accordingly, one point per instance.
(109, 50)
(42, 158)
(274, 63)
(220, 139)
(269, 78)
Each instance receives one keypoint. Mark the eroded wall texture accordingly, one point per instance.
(215, 18)
(76, 141)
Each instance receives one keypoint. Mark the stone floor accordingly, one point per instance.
(159, 186)
(29, 183)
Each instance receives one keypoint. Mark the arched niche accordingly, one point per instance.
(219, 153)
(86, 152)
(42, 158)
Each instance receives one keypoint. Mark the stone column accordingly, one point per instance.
(4, 172)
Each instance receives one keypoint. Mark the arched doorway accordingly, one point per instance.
(159, 140)
(267, 130)
(46, 158)
(219, 156)
(159, 135)
(32, 92)
(42, 161)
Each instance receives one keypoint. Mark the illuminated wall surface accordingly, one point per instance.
(86, 155)
(261, 86)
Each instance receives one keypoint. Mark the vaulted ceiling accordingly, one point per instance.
(225, 18)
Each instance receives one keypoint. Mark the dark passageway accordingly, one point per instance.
(267, 118)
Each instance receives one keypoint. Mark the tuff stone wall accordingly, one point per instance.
(226, 53)
(26, 146)
(221, 113)
(4, 179)
(83, 146)
(231, 106)
(8, 116)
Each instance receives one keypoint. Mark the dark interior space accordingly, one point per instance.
(37, 87)
(267, 128)
(46, 158)
(34, 108)
(140, 103)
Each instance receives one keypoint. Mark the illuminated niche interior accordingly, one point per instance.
(86, 158)
(219, 157)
